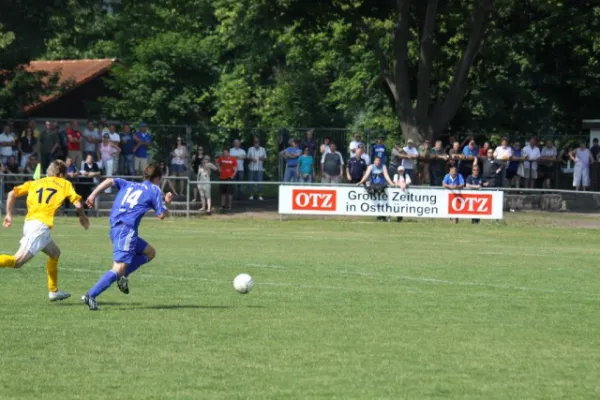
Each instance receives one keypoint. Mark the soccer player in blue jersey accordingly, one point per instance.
(130, 251)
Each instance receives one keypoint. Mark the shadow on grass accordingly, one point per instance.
(182, 306)
(107, 303)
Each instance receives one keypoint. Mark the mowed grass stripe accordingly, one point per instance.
(342, 309)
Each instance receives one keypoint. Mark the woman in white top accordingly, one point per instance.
(203, 179)
(106, 152)
(402, 179)
(581, 173)
(178, 162)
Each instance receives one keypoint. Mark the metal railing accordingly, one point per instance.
(270, 190)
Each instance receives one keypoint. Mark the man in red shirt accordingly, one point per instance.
(74, 144)
(227, 170)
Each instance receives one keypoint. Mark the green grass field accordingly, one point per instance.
(341, 310)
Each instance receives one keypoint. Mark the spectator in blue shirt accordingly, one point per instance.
(126, 161)
(453, 181)
(143, 140)
(470, 153)
(291, 155)
(306, 168)
(379, 150)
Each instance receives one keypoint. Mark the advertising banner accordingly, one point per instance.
(417, 203)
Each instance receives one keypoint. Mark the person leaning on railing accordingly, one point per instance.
(547, 163)
(437, 163)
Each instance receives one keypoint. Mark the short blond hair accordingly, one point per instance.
(57, 168)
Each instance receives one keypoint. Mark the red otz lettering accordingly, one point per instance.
(472, 204)
(314, 200)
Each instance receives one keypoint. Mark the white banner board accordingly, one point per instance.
(417, 203)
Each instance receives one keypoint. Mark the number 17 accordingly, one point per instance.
(41, 192)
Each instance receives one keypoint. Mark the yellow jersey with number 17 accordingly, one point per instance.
(45, 196)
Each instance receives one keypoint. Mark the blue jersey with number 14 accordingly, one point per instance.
(133, 201)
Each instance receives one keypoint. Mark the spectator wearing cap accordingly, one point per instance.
(531, 153)
(240, 155)
(548, 156)
(475, 182)
(502, 155)
(143, 139)
(402, 179)
(127, 157)
(354, 144)
(453, 181)
(291, 155)
(91, 139)
(256, 157)
(409, 158)
(437, 163)
(332, 165)
(306, 166)
(581, 173)
(356, 167)
(379, 150)
(74, 143)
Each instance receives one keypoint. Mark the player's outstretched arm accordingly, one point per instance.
(10, 205)
(99, 189)
(83, 219)
(168, 200)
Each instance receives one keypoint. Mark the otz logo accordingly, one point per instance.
(478, 204)
(314, 200)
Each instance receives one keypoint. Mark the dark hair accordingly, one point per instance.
(151, 172)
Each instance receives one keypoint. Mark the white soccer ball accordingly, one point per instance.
(243, 283)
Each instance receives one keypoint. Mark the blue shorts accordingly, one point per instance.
(126, 244)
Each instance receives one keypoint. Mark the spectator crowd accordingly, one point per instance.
(504, 165)
(99, 149)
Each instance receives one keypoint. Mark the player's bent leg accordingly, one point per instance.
(53, 253)
(144, 254)
(103, 283)
(22, 257)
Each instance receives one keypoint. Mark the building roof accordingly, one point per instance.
(73, 73)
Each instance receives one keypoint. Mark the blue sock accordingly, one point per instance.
(104, 283)
(137, 262)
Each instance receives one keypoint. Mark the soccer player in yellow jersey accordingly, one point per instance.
(44, 197)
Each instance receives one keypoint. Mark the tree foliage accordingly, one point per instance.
(417, 68)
